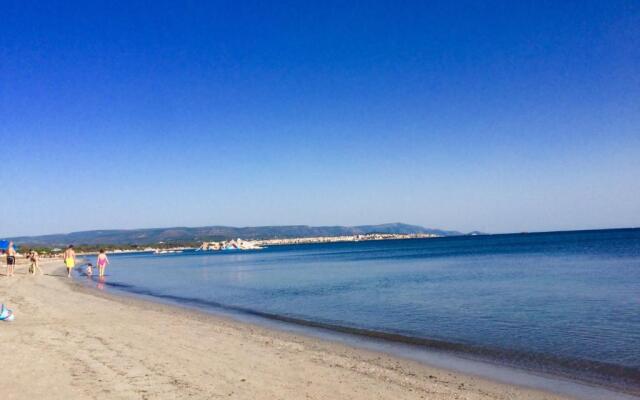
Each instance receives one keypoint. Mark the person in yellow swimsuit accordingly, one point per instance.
(69, 257)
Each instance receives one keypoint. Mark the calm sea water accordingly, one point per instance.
(566, 303)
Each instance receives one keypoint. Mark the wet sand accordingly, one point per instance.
(73, 342)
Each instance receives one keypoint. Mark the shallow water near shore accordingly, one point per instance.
(565, 304)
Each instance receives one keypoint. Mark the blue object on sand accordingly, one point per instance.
(6, 314)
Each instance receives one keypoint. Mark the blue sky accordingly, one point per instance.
(500, 116)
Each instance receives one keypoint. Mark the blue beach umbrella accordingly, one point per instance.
(4, 245)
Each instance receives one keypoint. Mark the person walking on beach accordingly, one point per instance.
(35, 263)
(69, 257)
(11, 259)
(102, 262)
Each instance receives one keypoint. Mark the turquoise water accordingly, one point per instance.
(564, 303)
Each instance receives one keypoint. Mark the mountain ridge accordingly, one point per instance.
(180, 235)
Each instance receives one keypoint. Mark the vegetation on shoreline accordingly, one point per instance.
(86, 248)
(181, 236)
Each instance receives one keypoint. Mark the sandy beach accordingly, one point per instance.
(73, 342)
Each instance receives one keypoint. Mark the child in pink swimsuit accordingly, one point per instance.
(102, 262)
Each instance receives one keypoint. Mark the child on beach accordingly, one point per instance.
(89, 269)
(102, 262)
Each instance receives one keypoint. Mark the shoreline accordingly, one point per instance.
(431, 353)
(114, 346)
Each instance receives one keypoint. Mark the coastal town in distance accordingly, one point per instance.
(177, 240)
(240, 244)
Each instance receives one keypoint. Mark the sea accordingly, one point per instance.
(561, 304)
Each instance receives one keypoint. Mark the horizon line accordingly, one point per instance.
(321, 226)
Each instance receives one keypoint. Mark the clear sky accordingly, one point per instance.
(495, 116)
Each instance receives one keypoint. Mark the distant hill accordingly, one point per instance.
(181, 235)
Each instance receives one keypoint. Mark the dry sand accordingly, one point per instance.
(72, 342)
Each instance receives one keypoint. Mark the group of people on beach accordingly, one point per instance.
(69, 258)
(32, 257)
